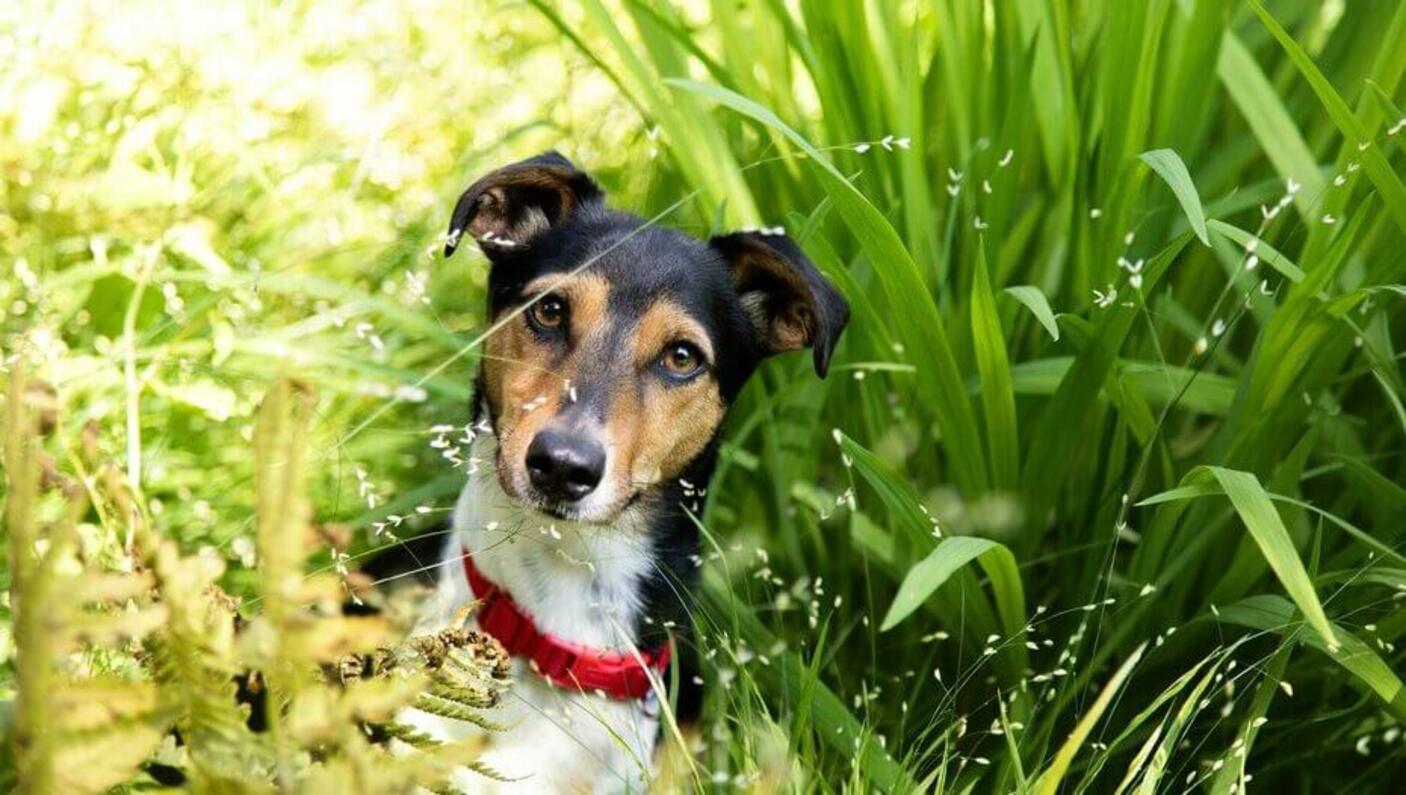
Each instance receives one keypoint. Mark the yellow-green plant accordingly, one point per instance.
(329, 683)
(71, 733)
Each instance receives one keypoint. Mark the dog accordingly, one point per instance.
(615, 349)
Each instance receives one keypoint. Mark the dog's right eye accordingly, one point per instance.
(548, 313)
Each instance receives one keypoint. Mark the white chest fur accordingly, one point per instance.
(580, 583)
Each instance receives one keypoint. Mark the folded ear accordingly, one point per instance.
(789, 303)
(510, 207)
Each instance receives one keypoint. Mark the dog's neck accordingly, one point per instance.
(587, 584)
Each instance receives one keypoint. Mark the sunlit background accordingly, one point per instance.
(216, 194)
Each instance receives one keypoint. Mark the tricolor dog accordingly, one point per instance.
(615, 349)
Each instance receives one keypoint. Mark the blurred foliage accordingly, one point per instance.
(318, 684)
(243, 190)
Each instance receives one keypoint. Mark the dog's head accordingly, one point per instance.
(617, 345)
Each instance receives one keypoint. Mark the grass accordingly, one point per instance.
(1103, 492)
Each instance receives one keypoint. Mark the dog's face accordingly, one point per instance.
(616, 345)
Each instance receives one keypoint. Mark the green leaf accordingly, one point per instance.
(1193, 490)
(1034, 299)
(1064, 419)
(1203, 392)
(1171, 731)
(1229, 777)
(1262, 520)
(931, 572)
(1270, 613)
(994, 367)
(834, 724)
(1270, 121)
(1379, 171)
(1053, 96)
(998, 564)
(1267, 253)
(1169, 166)
(1182, 493)
(1131, 727)
(896, 492)
(695, 139)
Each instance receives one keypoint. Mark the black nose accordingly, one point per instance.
(564, 466)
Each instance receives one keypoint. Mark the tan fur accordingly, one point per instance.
(523, 394)
(790, 330)
(659, 429)
(663, 323)
(526, 387)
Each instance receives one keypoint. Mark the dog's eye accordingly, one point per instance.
(548, 313)
(681, 360)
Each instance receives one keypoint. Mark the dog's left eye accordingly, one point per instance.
(681, 360)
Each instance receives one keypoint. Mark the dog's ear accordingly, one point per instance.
(788, 302)
(510, 207)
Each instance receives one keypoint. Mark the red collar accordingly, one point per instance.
(565, 664)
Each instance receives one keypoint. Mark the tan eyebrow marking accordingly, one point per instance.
(586, 295)
(664, 322)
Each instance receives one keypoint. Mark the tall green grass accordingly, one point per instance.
(1104, 491)
(1124, 364)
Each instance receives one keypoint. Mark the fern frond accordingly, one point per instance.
(445, 708)
(325, 677)
(477, 698)
(116, 728)
(102, 757)
(410, 736)
(432, 766)
(94, 703)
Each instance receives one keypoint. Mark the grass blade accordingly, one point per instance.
(832, 721)
(1262, 520)
(997, 562)
(994, 367)
(1048, 782)
(1232, 777)
(1270, 613)
(1379, 171)
(1053, 96)
(1168, 165)
(1033, 298)
(1174, 726)
(1267, 117)
(902, 281)
(1267, 253)
(1063, 424)
(1194, 490)
(931, 572)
